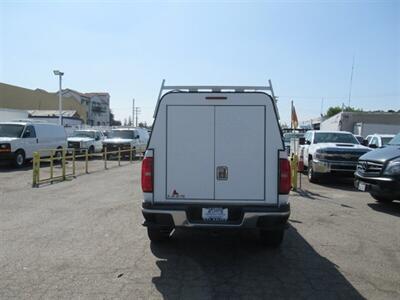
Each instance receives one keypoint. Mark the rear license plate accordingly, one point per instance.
(217, 214)
(362, 186)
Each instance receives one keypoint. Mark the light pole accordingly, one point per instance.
(59, 74)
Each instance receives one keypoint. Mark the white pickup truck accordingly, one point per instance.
(327, 152)
(86, 139)
(125, 139)
(199, 170)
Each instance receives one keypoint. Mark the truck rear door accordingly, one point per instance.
(215, 152)
(240, 152)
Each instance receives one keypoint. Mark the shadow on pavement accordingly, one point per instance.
(392, 208)
(200, 265)
(338, 182)
(310, 195)
(7, 167)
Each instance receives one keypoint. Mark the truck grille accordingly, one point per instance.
(114, 147)
(343, 156)
(369, 168)
(75, 145)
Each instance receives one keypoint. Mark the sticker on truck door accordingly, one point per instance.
(175, 194)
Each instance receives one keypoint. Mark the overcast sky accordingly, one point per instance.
(127, 47)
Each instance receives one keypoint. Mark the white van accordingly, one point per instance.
(19, 140)
(126, 138)
(216, 159)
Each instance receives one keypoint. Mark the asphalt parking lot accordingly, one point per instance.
(83, 239)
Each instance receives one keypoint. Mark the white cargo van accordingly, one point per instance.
(19, 140)
(216, 159)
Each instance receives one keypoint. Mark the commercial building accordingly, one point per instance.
(7, 114)
(18, 98)
(364, 123)
(69, 117)
(97, 106)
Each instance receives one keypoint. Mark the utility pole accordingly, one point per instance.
(351, 80)
(133, 111)
(60, 75)
(137, 112)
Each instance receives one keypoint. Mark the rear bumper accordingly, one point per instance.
(170, 216)
(323, 166)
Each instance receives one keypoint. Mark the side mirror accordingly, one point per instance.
(302, 141)
(308, 142)
(137, 137)
(373, 146)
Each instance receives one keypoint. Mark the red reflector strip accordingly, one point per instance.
(216, 98)
(285, 178)
(147, 175)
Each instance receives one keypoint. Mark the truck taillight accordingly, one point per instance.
(284, 176)
(147, 175)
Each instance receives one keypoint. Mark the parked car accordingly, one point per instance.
(379, 140)
(327, 152)
(378, 172)
(19, 140)
(125, 139)
(86, 139)
(200, 171)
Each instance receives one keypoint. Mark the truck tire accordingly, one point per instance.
(381, 198)
(272, 238)
(158, 235)
(312, 177)
(19, 159)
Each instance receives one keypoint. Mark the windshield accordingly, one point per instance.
(11, 130)
(386, 140)
(123, 134)
(395, 140)
(89, 134)
(288, 136)
(333, 137)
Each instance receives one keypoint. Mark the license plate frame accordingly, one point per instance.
(214, 214)
(362, 186)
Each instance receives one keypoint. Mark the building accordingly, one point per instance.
(7, 114)
(18, 98)
(69, 117)
(364, 123)
(312, 124)
(97, 106)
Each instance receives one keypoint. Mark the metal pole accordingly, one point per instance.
(51, 166)
(119, 156)
(86, 161)
(133, 111)
(105, 158)
(63, 164)
(73, 162)
(60, 99)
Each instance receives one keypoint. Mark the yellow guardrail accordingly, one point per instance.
(62, 156)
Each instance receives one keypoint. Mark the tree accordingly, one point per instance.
(334, 110)
(114, 122)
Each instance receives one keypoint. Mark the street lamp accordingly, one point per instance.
(59, 74)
